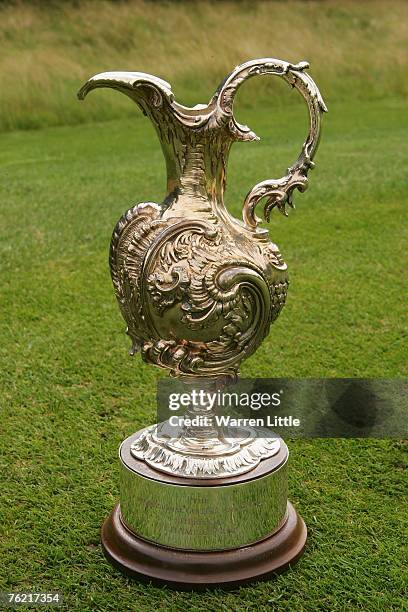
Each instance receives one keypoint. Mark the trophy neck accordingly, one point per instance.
(196, 163)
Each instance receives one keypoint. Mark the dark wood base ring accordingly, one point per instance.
(187, 570)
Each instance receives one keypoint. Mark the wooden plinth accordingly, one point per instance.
(187, 570)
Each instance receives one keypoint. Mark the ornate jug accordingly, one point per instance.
(199, 289)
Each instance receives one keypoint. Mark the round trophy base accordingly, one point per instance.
(186, 569)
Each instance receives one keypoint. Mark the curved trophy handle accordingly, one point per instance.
(277, 191)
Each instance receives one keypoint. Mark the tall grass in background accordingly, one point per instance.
(356, 49)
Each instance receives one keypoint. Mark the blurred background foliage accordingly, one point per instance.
(47, 49)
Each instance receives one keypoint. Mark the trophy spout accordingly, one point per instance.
(195, 152)
(156, 100)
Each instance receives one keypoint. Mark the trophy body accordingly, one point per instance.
(198, 290)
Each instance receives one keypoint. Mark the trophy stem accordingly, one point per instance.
(200, 432)
(200, 447)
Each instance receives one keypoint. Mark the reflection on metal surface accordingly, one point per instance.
(203, 518)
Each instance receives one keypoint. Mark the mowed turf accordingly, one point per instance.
(70, 392)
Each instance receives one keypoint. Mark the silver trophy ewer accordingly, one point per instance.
(198, 290)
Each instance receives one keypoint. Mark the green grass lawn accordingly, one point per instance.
(70, 393)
